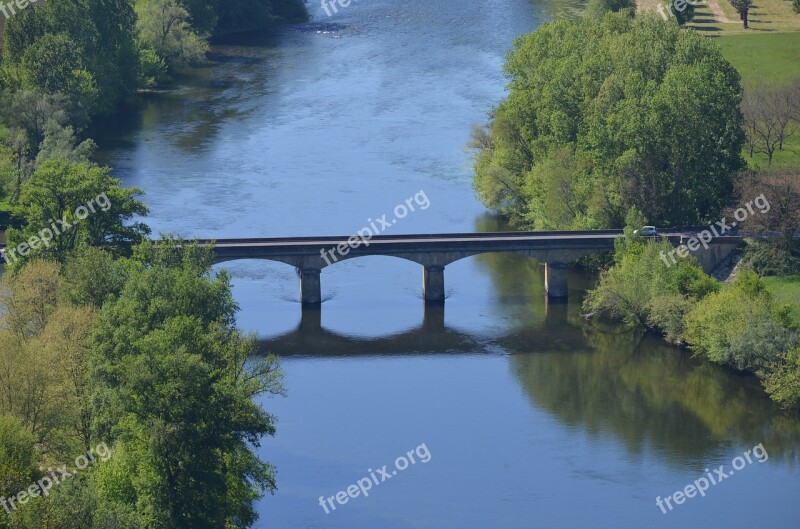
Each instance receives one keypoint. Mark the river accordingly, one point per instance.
(529, 417)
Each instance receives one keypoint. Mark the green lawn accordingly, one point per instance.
(768, 57)
(788, 157)
(786, 291)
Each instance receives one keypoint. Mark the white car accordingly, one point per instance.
(647, 231)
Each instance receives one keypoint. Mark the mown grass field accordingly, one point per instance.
(772, 58)
(786, 291)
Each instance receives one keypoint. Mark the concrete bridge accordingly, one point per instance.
(556, 249)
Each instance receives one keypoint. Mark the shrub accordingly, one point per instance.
(75, 504)
(17, 456)
(769, 259)
(783, 383)
(740, 326)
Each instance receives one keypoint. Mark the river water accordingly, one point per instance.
(528, 416)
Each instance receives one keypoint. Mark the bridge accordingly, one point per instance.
(556, 249)
(434, 252)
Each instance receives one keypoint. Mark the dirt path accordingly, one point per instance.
(719, 15)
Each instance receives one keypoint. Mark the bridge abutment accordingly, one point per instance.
(310, 287)
(433, 284)
(555, 280)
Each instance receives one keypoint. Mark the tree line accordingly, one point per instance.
(106, 336)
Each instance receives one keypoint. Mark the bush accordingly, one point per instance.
(760, 345)
(17, 456)
(668, 313)
(783, 383)
(769, 259)
(75, 504)
(640, 289)
(740, 326)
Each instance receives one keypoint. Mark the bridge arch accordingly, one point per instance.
(310, 268)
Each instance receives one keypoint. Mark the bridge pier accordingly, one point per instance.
(311, 319)
(555, 280)
(310, 287)
(433, 284)
(433, 317)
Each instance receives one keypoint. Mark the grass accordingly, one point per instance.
(766, 17)
(773, 58)
(786, 291)
(704, 22)
(789, 157)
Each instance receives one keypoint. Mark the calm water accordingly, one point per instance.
(531, 418)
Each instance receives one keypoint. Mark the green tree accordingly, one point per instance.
(103, 53)
(743, 8)
(165, 27)
(176, 385)
(60, 142)
(596, 99)
(78, 204)
(17, 457)
(77, 504)
(51, 65)
(91, 277)
(8, 172)
(30, 112)
(43, 358)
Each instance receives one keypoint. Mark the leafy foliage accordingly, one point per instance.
(740, 326)
(17, 456)
(783, 383)
(82, 48)
(598, 8)
(53, 195)
(44, 346)
(768, 259)
(177, 386)
(644, 288)
(600, 116)
(164, 27)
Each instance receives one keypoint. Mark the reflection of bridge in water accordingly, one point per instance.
(310, 338)
(556, 249)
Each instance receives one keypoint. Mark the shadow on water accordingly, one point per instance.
(198, 101)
